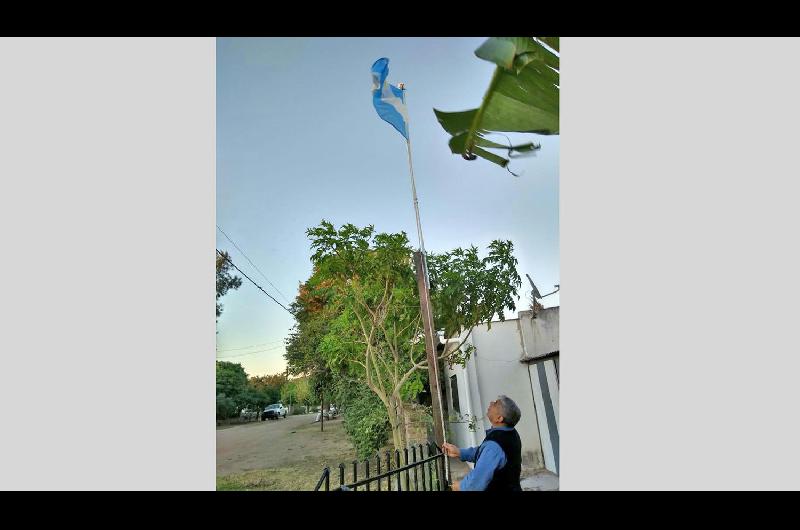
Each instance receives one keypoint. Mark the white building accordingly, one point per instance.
(518, 358)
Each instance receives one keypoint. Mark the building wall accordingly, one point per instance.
(497, 356)
(458, 432)
(540, 334)
(507, 360)
(544, 384)
(495, 369)
(540, 339)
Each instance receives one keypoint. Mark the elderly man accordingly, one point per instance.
(498, 459)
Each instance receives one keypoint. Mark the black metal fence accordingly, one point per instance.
(421, 473)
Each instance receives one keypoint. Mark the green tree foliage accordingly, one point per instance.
(231, 387)
(312, 320)
(235, 390)
(523, 96)
(363, 291)
(226, 407)
(467, 290)
(231, 379)
(225, 280)
(303, 393)
(289, 393)
(297, 392)
(268, 387)
(366, 421)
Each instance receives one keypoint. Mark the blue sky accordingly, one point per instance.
(298, 141)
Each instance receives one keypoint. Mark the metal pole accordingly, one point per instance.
(321, 411)
(413, 182)
(423, 284)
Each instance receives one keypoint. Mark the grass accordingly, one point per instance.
(301, 469)
(298, 476)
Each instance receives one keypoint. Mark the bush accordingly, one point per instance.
(366, 422)
(226, 407)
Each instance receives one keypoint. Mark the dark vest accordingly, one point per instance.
(507, 478)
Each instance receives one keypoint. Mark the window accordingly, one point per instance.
(454, 393)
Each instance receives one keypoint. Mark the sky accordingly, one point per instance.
(299, 141)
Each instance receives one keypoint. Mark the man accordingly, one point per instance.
(498, 459)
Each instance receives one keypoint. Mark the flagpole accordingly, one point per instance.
(413, 182)
(425, 305)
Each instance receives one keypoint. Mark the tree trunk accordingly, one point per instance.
(398, 422)
(395, 425)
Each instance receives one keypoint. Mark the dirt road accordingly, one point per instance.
(284, 454)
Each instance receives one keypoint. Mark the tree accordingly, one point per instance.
(523, 96)
(373, 331)
(312, 319)
(289, 392)
(226, 407)
(467, 290)
(303, 394)
(296, 392)
(251, 398)
(268, 387)
(365, 422)
(231, 379)
(225, 280)
(231, 387)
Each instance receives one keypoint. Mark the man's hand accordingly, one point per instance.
(451, 450)
(457, 485)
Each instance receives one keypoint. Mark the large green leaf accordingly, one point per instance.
(499, 50)
(456, 122)
(457, 144)
(515, 52)
(551, 41)
(523, 96)
(503, 113)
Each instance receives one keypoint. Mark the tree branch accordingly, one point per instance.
(405, 377)
(445, 353)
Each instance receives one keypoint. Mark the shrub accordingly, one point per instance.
(366, 422)
(226, 407)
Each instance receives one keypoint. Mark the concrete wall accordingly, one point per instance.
(540, 334)
(509, 359)
(544, 384)
(499, 370)
(495, 369)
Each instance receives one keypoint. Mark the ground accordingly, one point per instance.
(283, 454)
(541, 480)
(289, 455)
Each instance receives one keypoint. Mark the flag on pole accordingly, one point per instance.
(388, 99)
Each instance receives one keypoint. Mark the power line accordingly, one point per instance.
(249, 353)
(251, 263)
(251, 346)
(226, 258)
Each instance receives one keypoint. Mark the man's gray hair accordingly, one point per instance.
(509, 410)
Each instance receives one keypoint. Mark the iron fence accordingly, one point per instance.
(421, 473)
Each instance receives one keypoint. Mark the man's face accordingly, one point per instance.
(493, 412)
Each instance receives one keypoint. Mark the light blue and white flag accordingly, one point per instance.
(388, 99)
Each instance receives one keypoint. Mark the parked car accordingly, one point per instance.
(274, 411)
(329, 414)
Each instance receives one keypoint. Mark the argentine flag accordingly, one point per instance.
(388, 99)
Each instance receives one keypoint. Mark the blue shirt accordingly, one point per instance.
(492, 458)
